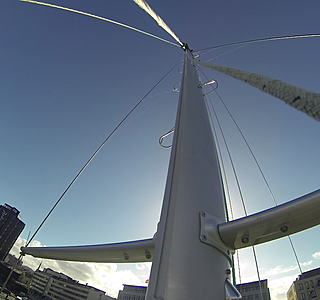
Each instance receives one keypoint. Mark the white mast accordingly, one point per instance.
(187, 263)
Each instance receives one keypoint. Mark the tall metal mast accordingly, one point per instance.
(187, 262)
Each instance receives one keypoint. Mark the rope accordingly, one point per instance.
(299, 98)
(100, 18)
(277, 38)
(145, 6)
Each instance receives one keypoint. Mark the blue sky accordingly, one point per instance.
(67, 80)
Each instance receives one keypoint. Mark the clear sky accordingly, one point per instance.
(67, 80)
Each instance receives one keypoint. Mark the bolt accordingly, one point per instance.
(245, 240)
(284, 228)
(203, 214)
(203, 238)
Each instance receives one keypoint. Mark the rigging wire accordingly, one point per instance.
(223, 54)
(100, 18)
(82, 169)
(227, 189)
(276, 38)
(261, 172)
(239, 188)
(225, 182)
(96, 152)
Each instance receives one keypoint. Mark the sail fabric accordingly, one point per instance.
(145, 6)
(303, 100)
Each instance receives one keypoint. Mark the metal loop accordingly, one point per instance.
(208, 83)
(165, 135)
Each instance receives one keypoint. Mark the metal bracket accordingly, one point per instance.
(209, 234)
(231, 292)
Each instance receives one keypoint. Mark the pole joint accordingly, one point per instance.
(209, 234)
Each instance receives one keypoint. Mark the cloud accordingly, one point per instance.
(316, 255)
(144, 266)
(140, 266)
(308, 263)
(105, 277)
(280, 270)
(279, 287)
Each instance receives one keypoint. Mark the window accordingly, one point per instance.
(300, 286)
(311, 283)
(307, 284)
(302, 296)
(264, 295)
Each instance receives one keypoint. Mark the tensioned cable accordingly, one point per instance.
(228, 191)
(96, 152)
(100, 18)
(222, 54)
(276, 38)
(239, 189)
(226, 184)
(83, 168)
(261, 172)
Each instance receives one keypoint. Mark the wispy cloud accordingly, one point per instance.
(316, 255)
(144, 266)
(308, 263)
(280, 270)
(106, 277)
(279, 287)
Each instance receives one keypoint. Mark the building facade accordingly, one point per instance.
(132, 292)
(306, 286)
(49, 284)
(252, 291)
(10, 228)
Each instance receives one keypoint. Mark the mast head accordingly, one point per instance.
(185, 47)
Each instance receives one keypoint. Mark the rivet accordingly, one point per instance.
(284, 228)
(245, 240)
(203, 214)
(203, 238)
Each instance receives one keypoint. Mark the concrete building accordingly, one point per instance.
(132, 292)
(49, 284)
(10, 228)
(13, 261)
(251, 290)
(306, 286)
